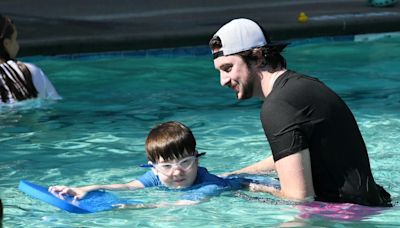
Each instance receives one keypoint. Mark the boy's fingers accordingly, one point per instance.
(56, 188)
(64, 191)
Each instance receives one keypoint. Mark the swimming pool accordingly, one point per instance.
(96, 134)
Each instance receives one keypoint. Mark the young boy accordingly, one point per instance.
(174, 161)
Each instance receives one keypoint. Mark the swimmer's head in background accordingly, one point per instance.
(7, 29)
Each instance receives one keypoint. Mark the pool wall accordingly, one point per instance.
(202, 50)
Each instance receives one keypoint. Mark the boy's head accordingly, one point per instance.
(171, 149)
(169, 141)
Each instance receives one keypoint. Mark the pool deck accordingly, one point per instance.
(48, 27)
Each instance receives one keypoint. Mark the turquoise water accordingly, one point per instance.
(96, 133)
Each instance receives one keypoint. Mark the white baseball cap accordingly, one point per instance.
(241, 35)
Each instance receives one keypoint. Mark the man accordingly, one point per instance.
(317, 148)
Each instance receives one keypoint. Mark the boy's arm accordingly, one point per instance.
(131, 185)
(80, 192)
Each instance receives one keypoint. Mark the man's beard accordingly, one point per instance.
(248, 87)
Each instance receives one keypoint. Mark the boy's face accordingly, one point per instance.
(177, 173)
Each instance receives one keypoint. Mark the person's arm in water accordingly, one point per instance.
(263, 166)
(295, 176)
(80, 192)
(191, 197)
(156, 205)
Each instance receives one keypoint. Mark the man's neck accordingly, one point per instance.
(268, 80)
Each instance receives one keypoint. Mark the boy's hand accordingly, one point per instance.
(60, 191)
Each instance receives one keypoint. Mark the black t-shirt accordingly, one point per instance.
(300, 113)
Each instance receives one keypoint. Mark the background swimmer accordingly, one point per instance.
(19, 81)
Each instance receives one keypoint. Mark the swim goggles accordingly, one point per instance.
(167, 167)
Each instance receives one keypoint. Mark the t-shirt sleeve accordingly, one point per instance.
(42, 84)
(149, 179)
(288, 129)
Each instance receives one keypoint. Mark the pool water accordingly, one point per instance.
(96, 133)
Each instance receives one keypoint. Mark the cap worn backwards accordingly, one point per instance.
(240, 35)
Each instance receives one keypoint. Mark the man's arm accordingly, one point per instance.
(262, 166)
(295, 176)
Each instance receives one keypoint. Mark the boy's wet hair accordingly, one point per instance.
(170, 140)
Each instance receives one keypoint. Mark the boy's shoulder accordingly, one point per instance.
(149, 179)
(204, 178)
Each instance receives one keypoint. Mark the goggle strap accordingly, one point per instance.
(200, 154)
(152, 166)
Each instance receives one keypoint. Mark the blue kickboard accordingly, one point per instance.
(94, 201)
